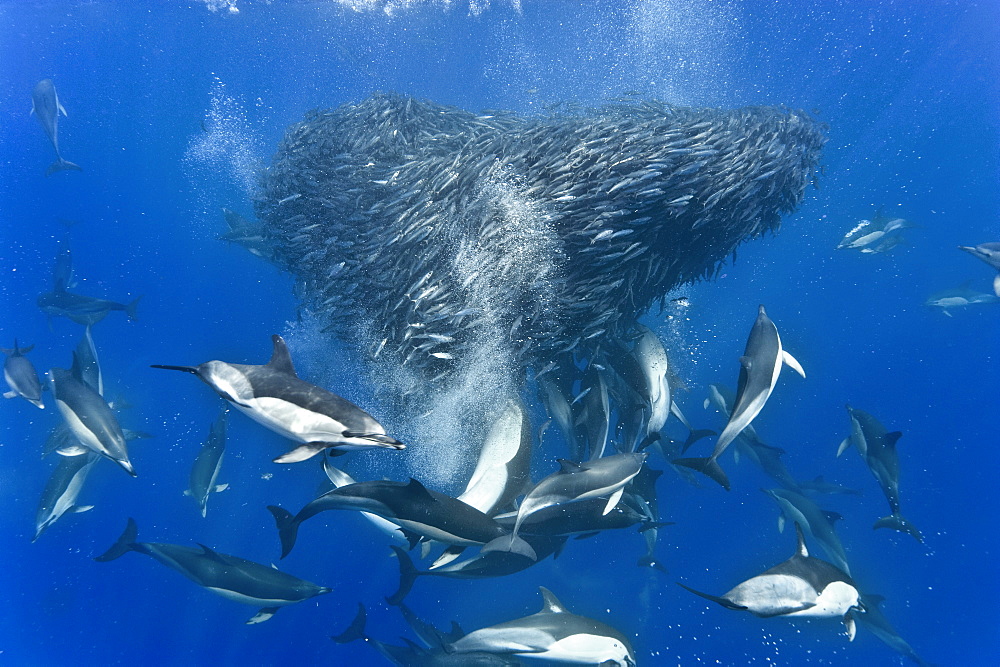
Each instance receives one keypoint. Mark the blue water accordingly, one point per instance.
(172, 108)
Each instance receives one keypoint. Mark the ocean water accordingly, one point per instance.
(174, 107)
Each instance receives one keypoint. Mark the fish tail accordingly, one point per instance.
(408, 574)
(896, 521)
(125, 543)
(288, 528)
(62, 165)
(706, 466)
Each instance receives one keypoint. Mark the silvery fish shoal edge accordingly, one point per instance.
(430, 229)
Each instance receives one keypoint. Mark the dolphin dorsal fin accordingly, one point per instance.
(416, 487)
(551, 603)
(569, 467)
(892, 438)
(802, 550)
(281, 360)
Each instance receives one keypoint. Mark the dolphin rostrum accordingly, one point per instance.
(989, 253)
(21, 376)
(760, 366)
(554, 634)
(273, 395)
(801, 586)
(229, 576)
(46, 107)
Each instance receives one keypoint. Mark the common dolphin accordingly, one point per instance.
(82, 309)
(495, 559)
(877, 447)
(760, 366)
(432, 654)
(207, 464)
(989, 253)
(959, 297)
(273, 395)
(229, 576)
(410, 505)
(503, 469)
(46, 108)
(21, 376)
(818, 523)
(575, 482)
(554, 634)
(89, 417)
(62, 489)
(800, 586)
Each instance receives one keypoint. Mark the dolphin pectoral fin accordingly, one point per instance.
(76, 509)
(613, 501)
(996, 284)
(728, 604)
(263, 615)
(851, 626)
(408, 574)
(792, 363)
(62, 110)
(706, 466)
(10, 394)
(302, 452)
(221, 487)
(781, 523)
(123, 545)
(844, 444)
(288, 528)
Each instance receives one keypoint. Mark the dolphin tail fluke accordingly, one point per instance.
(288, 528)
(408, 574)
(728, 604)
(695, 435)
(706, 466)
(356, 630)
(125, 543)
(130, 308)
(62, 165)
(897, 522)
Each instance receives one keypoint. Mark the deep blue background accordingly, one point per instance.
(910, 90)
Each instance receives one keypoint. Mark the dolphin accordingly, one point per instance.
(340, 478)
(207, 464)
(88, 366)
(582, 518)
(989, 253)
(89, 417)
(432, 654)
(959, 297)
(229, 576)
(820, 485)
(411, 506)
(273, 395)
(800, 586)
(80, 308)
(21, 376)
(877, 447)
(654, 365)
(247, 234)
(554, 634)
(62, 489)
(760, 366)
(875, 620)
(595, 412)
(495, 559)
(575, 482)
(503, 469)
(46, 108)
(818, 523)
